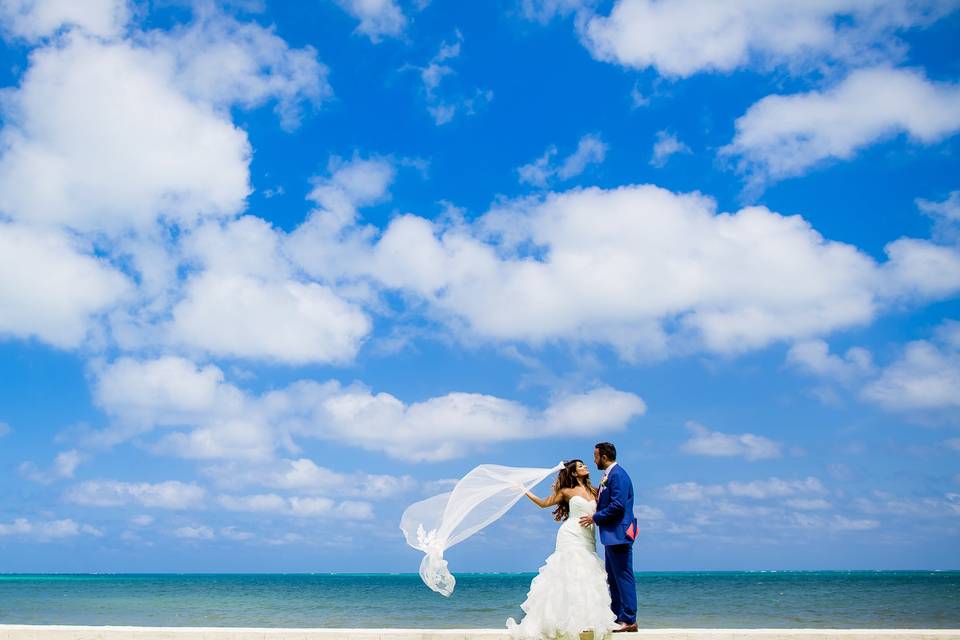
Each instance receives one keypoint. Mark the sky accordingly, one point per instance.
(272, 271)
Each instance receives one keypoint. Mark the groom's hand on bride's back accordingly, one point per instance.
(586, 521)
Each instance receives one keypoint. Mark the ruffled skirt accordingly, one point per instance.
(569, 595)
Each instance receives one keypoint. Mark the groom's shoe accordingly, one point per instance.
(626, 628)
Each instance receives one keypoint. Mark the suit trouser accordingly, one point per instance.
(623, 585)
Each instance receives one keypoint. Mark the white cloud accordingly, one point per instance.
(222, 421)
(142, 520)
(232, 533)
(945, 215)
(925, 377)
(756, 489)
(450, 426)
(165, 391)
(288, 321)
(45, 531)
(194, 533)
(885, 503)
(64, 466)
(545, 10)
(98, 137)
(813, 356)
(171, 494)
(37, 19)
(665, 146)
(442, 106)
(253, 503)
(690, 491)
(303, 475)
(646, 513)
(378, 18)
(724, 282)
(775, 487)
(51, 288)
(685, 37)
(591, 149)
(752, 447)
(841, 523)
(106, 136)
(225, 63)
(300, 506)
(808, 504)
(785, 135)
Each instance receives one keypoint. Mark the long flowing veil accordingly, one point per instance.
(479, 498)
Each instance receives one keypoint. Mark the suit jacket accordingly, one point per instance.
(614, 515)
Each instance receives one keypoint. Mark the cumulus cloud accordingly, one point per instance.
(47, 530)
(171, 494)
(885, 503)
(757, 489)
(686, 37)
(545, 10)
(305, 476)
(450, 426)
(785, 135)
(301, 506)
(98, 137)
(658, 273)
(194, 533)
(945, 215)
(33, 20)
(64, 466)
(294, 322)
(808, 504)
(925, 377)
(705, 442)
(813, 356)
(443, 105)
(232, 533)
(107, 136)
(666, 145)
(215, 419)
(52, 287)
(225, 63)
(591, 149)
(117, 139)
(377, 18)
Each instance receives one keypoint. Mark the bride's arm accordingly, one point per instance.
(543, 504)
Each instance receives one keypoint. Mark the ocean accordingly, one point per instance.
(819, 599)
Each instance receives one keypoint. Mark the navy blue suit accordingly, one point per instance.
(618, 528)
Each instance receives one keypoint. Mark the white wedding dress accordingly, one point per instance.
(570, 594)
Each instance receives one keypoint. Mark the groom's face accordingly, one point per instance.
(596, 459)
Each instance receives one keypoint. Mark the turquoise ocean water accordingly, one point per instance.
(908, 599)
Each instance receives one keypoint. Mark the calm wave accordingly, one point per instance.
(882, 599)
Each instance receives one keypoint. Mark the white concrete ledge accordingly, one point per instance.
(59, 632)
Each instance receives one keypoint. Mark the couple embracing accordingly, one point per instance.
(574, 591)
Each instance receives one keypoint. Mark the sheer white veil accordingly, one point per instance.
(479, 498)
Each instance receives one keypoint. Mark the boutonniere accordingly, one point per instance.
(603, 481)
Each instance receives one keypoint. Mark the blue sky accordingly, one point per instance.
(270, 272)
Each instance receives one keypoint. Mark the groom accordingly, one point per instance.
(618, 529)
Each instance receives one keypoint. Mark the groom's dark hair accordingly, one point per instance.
(607, 450)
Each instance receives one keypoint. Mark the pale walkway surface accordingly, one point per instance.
(59, 632)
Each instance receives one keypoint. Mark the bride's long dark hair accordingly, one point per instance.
(567, 479)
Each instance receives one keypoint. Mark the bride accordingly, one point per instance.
(570, 593)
